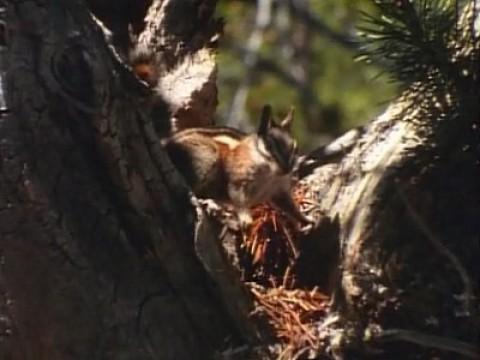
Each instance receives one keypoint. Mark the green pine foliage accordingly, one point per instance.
(433, 45)
(409, 40)
(412, 38)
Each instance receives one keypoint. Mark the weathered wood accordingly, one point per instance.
(96, 225)
(406, 197)
(180, 39)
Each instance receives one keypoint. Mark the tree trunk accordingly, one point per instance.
(103, 255)
(96, 226)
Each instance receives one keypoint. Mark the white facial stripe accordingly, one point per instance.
(262, 149)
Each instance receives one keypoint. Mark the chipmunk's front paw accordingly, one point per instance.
(211, 207)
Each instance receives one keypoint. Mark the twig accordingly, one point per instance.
(427, 340)
(300, 10)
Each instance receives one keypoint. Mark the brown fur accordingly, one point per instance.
(229, 166)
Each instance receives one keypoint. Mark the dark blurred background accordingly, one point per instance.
(300, 53)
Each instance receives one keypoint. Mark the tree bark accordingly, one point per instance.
(407, 200)
(96, 225)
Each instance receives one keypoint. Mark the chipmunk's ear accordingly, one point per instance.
(287, 121)
(265, 120)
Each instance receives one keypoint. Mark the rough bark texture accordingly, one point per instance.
(179, 38)
(408, 232)
(96, 226)
(407, 199)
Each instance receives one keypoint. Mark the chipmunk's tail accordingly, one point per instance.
(329, 153)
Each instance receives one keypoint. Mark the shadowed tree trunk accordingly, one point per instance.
(96, 226)
(103, 255)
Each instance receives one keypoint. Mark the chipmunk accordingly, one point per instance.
(244, 170)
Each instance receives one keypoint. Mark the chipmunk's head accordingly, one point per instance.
(277, 139)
